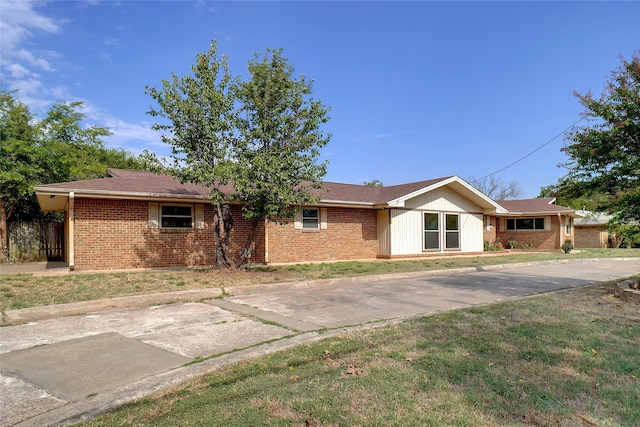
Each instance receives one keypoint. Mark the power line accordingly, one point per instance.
(527, 155)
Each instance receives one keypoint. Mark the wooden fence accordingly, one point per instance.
(36, 241)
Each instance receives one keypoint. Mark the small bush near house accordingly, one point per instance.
(567, 246)
(495, 246)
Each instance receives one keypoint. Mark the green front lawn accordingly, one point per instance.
(24, 290)
(566, 359)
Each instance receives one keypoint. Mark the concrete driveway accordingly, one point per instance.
(57, 368)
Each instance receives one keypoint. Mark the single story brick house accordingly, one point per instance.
(592, 230)
(136, 219)
(538, 223)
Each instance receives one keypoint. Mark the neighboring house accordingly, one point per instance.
(592, 230)
(537, 223)
(135, 219)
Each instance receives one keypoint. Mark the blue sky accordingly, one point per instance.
(417, 90)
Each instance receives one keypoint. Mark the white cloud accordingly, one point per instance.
(17, 71)
(30, 59)
(384, 135)
(204, 5)
(133, 137)
(19, 23)
(18, 20)
(20, 64)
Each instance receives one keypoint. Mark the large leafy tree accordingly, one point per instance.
(280, 139)
(55, 149)
(604, 163)
(19, 159)
(255, 142)
(199, 126)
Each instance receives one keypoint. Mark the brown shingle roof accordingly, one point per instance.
(124, 182)
(534, 206)
(140, 184)
(129, 181)
(370, 194)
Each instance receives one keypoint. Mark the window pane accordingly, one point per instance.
(431, 240)
(431, 221)
(539, 223)
(310, 213)
(176, 210)
(511, 224)
(176, 216)
(452, 240)
(310, 224)
(310, 219)
(176, 222)
(452, 222)
(524, 223)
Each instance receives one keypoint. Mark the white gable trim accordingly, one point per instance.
(468, 191)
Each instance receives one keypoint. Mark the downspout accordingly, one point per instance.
(71, 231)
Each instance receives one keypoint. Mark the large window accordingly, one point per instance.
(310, 219)
(431, 231)
(452, 231)
(525, 223)
(176, 216)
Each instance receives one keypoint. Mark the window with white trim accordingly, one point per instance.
(567, 225)
(310, 219)
(431, 231)
(176, 216)
(486, 219)
(514, 224)
(452, 231)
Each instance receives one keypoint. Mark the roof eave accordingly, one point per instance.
(45, 193)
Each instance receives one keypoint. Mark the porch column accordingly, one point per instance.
(561, 233)
(266, 241)
(71, 232)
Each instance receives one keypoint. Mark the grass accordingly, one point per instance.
(569, 359)
(25, 290)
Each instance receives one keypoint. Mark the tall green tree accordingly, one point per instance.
(255, 142)
(605, 155)
(55, 149)
(200, 126)
(280, 139)
(20, 159)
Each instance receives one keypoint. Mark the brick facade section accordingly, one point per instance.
(350, 234)
(490, 234)
(115, 234)
(591, 237)
(544, 240)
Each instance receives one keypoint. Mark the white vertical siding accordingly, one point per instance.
(384, 242)
(442, 199)
(407, 232)
(471, 233)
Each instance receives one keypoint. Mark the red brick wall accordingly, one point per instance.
(115, 234)
(539, 239)
(489, 235)
(350, 234)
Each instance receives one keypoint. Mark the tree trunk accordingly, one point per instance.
(4, 238)
(223, 223)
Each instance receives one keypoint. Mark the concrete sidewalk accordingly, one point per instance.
(62, 364)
